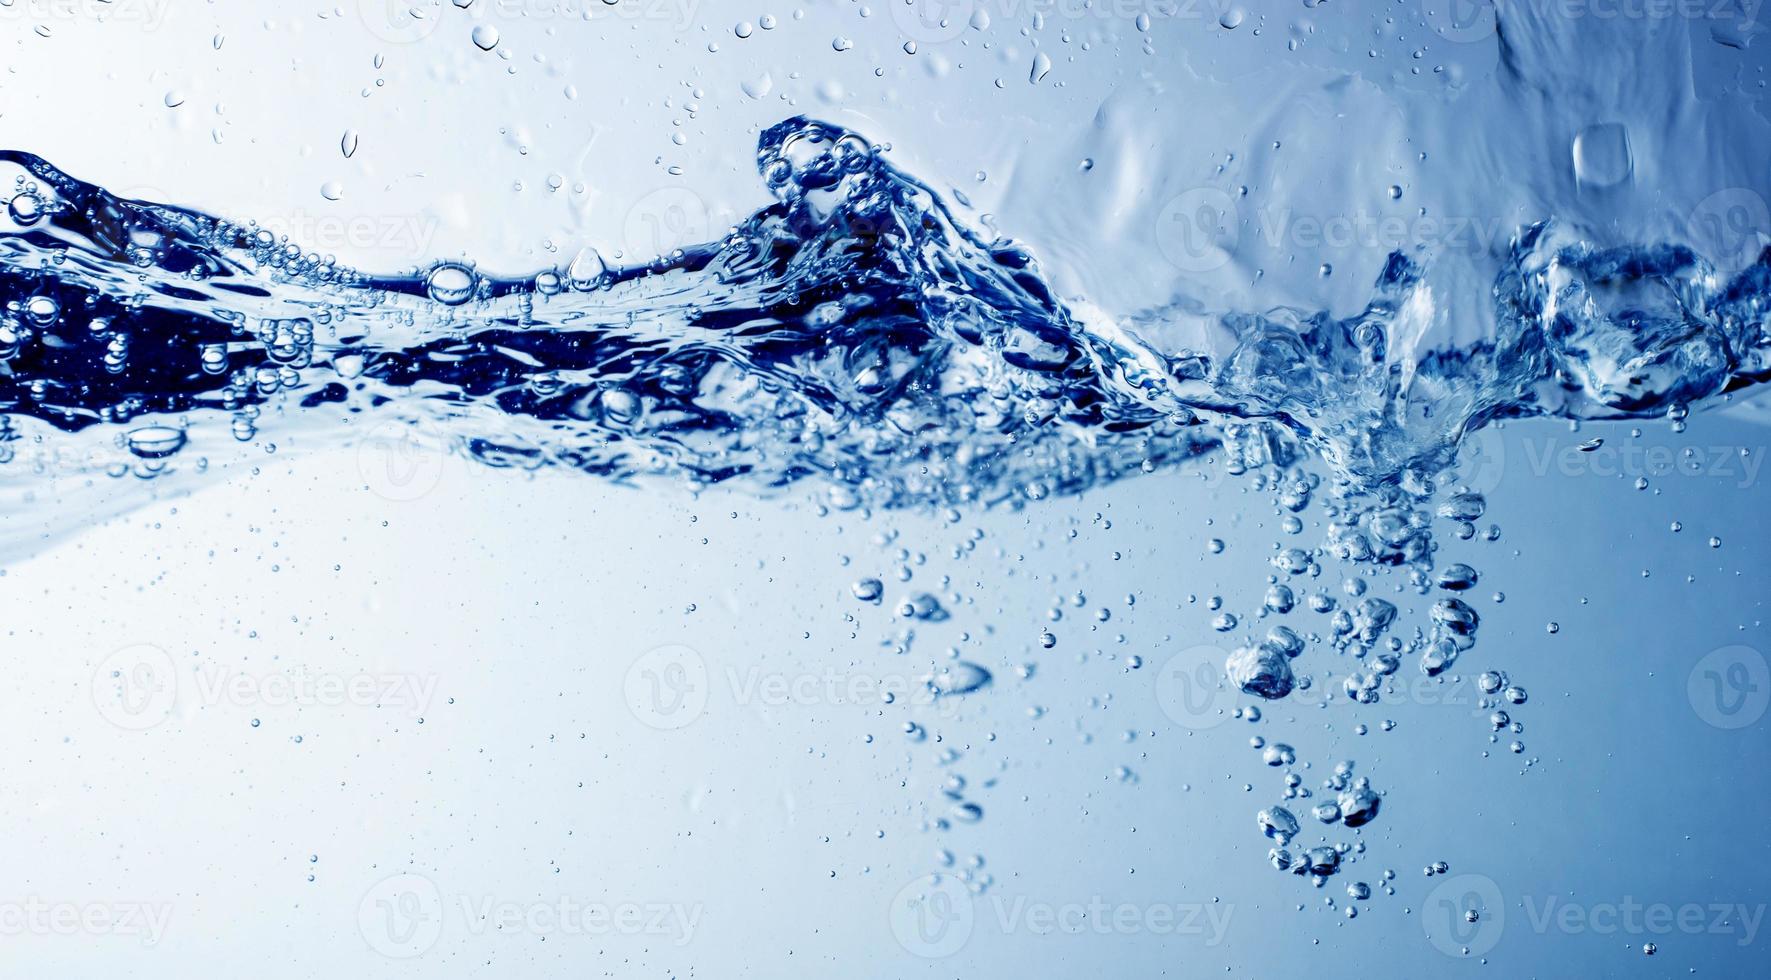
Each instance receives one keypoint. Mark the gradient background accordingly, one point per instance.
(568, 675)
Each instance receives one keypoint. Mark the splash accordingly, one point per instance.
(857, 336)
(854, 332)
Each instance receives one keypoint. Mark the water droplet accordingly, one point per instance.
(450, 283)
(960, 677)
(155, 441)
(26, 208)
(1602, 155)
(42, 310)
(587, 269)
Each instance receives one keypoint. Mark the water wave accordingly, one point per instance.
(854, 332)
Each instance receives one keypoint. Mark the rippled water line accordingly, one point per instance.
(853, 332)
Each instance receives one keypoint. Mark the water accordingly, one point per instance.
(1294, 370)
(853, 332)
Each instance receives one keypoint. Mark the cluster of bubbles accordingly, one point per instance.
(856, 334)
